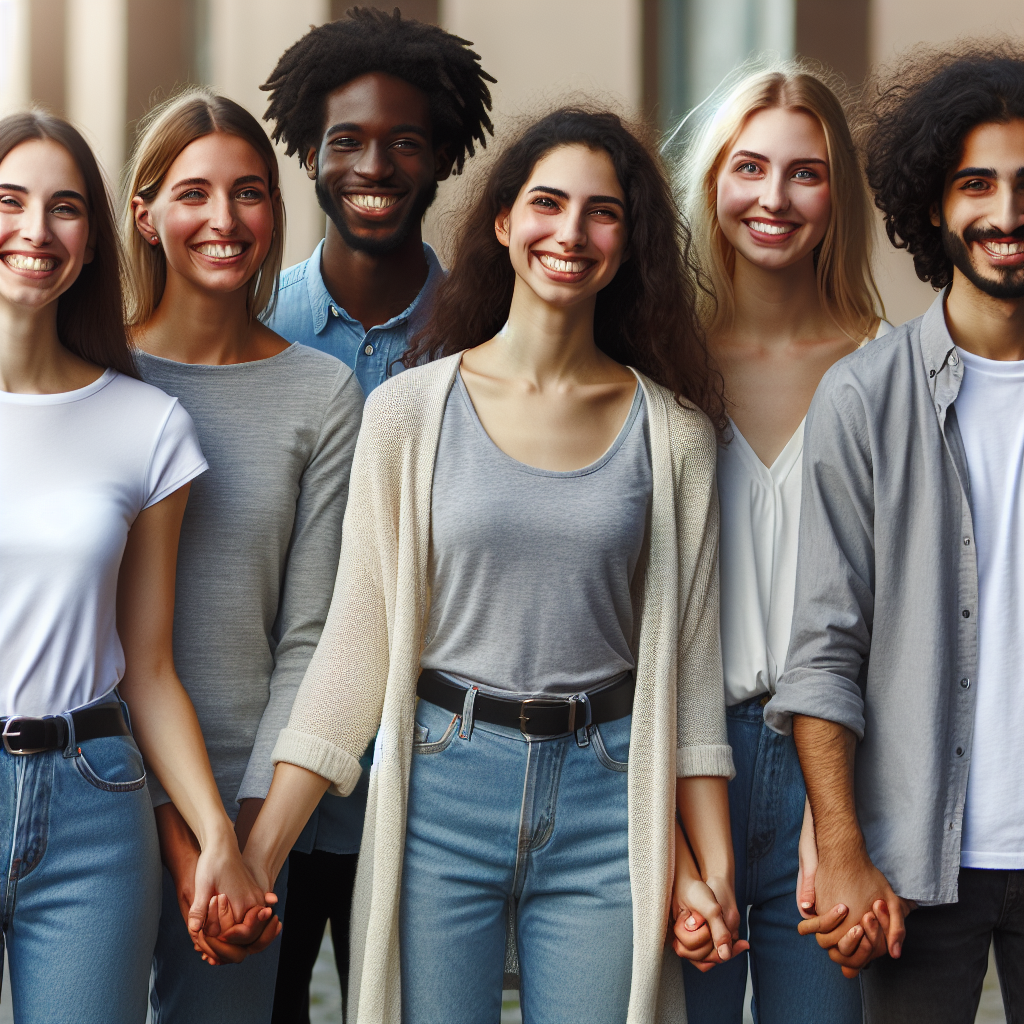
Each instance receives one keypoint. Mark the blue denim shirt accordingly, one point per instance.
(307, 314)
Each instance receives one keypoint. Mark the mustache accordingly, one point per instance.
(979, 234)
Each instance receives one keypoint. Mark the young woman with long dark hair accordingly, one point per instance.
(95, 468)
(530, 548)
(782, 228)
(204, 229)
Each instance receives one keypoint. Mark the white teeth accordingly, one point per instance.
(372, 201)
(220, 250)
(767, 228)
(19, 262)
(1005, 248)
(562, 266)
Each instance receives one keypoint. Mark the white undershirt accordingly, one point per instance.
(760, 531)
(990, 414)
(75, 470)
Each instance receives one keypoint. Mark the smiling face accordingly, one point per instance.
(213, 214)
(377, 170)
(566, 232)
(44, 223)
(982, 214)
(774, 199)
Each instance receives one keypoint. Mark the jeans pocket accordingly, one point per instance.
(114, 764)
(612, 745)
(421, 740)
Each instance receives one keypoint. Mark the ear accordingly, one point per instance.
(443, 162)
(501, 226)
(935, 215)
(144, 220)
(310, 164)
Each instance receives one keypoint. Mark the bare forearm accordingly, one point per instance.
(167, 731)
(703, 803)
(827, 753)
(293, 797)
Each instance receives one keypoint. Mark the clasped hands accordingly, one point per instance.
(229, 914)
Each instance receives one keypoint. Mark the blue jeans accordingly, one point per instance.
(793, 979)
(187, 990)
(496, 822)
(80, 889)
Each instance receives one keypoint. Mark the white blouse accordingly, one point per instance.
(760, 510)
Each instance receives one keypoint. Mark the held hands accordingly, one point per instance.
(704, 918)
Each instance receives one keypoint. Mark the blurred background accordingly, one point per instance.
(103, 63)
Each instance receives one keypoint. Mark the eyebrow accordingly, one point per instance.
(761, 156)
(64, 193)
(565, 195)
(983, 172)
(244, 180)
(14, 188)
(398, 129)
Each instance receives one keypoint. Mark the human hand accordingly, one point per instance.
(807, 857)
(877, 912)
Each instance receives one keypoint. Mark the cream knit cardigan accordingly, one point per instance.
(363, 674)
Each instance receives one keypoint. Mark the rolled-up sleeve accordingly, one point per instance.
(832, 618)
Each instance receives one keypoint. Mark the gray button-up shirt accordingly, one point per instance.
(885, 635)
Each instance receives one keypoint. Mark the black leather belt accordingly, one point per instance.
(535, 716)
(24, 735)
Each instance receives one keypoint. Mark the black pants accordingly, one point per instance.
(938, 978)
(319, 890)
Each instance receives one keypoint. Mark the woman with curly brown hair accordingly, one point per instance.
(530, 548)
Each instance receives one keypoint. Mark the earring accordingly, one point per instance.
(154, 239)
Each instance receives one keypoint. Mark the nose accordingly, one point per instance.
(222, 214)
(1009, 215)
(374, 164)
(774, 196)
(571, 231)
(35, 225)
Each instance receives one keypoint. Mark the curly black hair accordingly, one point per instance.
(369, 40)
(927, 105)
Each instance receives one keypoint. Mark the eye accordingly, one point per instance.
(748, 168)
(405, 144)
(250, 194)
(606, 211)
(344, 142)
(10, 202)
(974, 185)
(65, 210)
(192, 193)
(804, 174)
(545, 203)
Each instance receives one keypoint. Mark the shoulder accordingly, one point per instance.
(140, 399)
(878, 366)
(404, 399)
(293, 276)
(689, 431)
(314, 379)
(292, 314)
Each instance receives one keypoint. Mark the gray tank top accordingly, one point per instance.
(530, 568)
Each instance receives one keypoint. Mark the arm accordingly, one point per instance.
(308, 581)
(163, 720)
(845, 871)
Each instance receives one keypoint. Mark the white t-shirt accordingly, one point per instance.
(990, 413)
(75, 470)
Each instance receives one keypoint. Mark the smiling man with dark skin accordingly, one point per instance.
(903, 684)
(378, 110)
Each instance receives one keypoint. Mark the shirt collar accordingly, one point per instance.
(944, 367)
(320, 301)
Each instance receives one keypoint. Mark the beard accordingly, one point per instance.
(1008, 282)
(376, 246)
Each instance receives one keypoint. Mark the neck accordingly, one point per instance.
(545, 343)
(32, 359)
(778, 306)
(985, 326)
(370, 288)
(192, 325)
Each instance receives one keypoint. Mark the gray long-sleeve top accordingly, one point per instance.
(259, 544)
(885, 637)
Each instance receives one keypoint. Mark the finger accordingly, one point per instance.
(848, 944)
(694, 955)
(874, 933)
(896, 930)
(227, 953)
(197, 914)
(850, 972)
(693, 940)
(721, 935)
(824, 923)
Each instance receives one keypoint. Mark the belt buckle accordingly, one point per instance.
(548, 702)
(9, 732)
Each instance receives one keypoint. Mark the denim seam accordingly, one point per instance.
(602, 753)
(438, 745)
(86, 771)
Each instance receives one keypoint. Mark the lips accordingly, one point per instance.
(1003, 249)
(221, 250)
(771, 228)
(18, 261)
(560, 266)
(372, 200)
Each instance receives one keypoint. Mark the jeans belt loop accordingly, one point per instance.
(583, 732)
(466, 729)
(69, 747)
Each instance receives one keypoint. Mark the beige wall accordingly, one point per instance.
(896, 25)
(14, 48)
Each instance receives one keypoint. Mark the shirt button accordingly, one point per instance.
(368, 350)
(965, 682)
(966, 613)
(334, 311)
(959, 751)
(967, 541)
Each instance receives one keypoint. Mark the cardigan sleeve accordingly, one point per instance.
(702, 744)
(337, 709)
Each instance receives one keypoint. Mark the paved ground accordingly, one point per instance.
(325, 996)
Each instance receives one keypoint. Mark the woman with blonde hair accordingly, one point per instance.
(204, 230)
(782, 228)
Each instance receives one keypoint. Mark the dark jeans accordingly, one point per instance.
(938, 978)
(319, 890)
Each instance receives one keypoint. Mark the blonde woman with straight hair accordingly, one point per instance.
(781, 226)
(204, 232)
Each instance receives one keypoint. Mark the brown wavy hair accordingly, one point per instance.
(645, 317)
(90, 314)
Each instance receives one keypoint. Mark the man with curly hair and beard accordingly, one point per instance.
(904, 685)
(378, 109)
